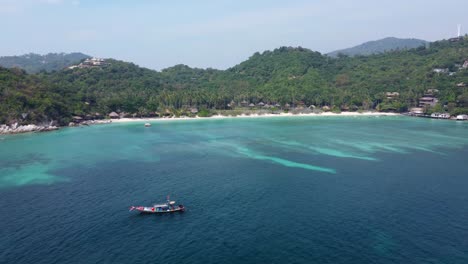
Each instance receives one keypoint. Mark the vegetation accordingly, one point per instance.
(34, 63)
(380, 46)
(284, 76)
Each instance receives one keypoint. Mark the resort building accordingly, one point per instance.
(89, 63)
(440, 115)
(114, 115)
(94, 62)
(456, 39)
(416, 111)
(462, 117)
(392, 95)
(427, 101)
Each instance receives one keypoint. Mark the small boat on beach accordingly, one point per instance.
(168, 207)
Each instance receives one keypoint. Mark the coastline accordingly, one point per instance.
(153, 119)
(15, 129)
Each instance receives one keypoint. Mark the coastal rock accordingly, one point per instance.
(15, 129)
(4, 129)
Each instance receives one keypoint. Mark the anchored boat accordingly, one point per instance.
(168, 207)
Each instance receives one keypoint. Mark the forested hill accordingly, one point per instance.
(380, 46)
(34, 63)
(293, 76)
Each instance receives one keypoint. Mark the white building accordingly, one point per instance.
(90, 63)
(439, 70)
(417, 111)
(440, 115)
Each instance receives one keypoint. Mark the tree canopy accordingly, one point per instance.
(285, 75)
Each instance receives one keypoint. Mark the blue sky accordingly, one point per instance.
(218, 34)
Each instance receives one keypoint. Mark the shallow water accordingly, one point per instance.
(273, 190)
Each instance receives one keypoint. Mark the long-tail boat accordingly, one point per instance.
(167, 207)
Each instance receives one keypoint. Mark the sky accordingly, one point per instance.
(215, 34)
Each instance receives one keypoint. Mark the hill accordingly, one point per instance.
(34, 63)
(380, 46)
(287, 75)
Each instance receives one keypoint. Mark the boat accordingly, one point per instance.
(167, 207)
(147, 124)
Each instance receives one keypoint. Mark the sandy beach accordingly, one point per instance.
(158, 119)
(4, 129)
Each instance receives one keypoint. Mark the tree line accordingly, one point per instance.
(293, 76)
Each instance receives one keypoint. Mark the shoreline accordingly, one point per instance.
(327, 114)
(14, 129)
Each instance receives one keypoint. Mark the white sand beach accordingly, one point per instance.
(159, 119)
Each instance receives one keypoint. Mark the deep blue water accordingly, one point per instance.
(278, 190)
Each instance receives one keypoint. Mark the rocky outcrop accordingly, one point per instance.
(52, 125)
(15, 129)
(89, 122)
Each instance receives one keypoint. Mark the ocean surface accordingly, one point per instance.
(257, 190)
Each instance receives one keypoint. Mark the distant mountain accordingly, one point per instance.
(33, 63)
(380, 46)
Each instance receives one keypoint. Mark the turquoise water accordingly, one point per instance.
(258, 190)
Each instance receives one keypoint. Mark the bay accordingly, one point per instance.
(257, 190)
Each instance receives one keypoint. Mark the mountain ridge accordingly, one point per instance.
(34, 63)
(379, 46)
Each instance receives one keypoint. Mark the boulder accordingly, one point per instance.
(15, 129)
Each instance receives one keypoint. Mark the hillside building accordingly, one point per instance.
(90, 63)
(392, 95)
(427, 101)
